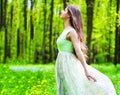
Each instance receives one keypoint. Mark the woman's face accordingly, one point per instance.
(64, 14)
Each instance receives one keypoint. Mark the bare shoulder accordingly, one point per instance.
(73, 32)
(72, 35)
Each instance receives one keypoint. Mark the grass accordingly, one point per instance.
(27, 82)
(40, 79)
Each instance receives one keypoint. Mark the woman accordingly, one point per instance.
(73, 75)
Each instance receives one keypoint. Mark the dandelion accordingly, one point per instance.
(3, 91)
(38, 92)
(32, 93)
(34, 87)
(46, 92)
(43, 81)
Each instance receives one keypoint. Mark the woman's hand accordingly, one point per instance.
(89, 76)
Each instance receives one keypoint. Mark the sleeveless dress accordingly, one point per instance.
(70, 76)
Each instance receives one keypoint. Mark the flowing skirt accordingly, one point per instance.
(71, 79)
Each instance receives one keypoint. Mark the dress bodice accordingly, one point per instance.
(63, 44)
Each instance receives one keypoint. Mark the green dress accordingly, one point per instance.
(70, 75)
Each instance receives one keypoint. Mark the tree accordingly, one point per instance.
(117, 35)
(25, 14)
(90, 7)
(6, 48)
(18, 42)
(65, 3)
(44, 33)
(50, 35)
(11, 19)
(110, 32)
(1, 12)
(31, 22)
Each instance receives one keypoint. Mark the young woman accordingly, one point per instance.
(73, 75)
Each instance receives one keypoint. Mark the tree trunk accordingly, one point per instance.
(6, 51)
(117, 36)
(25, 14)
(50, 35)
(110, 32)
(65, 3)
(11, 14)
(1, 13)
(31, 23)
(90, 7)
(44, 34)
(18, 42)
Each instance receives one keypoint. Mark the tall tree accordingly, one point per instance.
(6, 49)
(44, 33)
(50, 35)
(11, 14)
(117, 35)
(31, 22)
(90, 8)
(18, 42)
(65, 3)
(1, 12)
(110, 32)
(25, 26)
(25, 14)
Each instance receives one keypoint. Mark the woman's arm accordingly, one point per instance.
(76, 43)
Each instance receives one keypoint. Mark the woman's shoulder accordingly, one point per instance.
(71, 30)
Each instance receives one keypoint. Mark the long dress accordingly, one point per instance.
(70, 75)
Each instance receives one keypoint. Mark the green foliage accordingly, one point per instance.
(2, 45)
(103, 33)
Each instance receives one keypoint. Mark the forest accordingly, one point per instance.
(29, 29)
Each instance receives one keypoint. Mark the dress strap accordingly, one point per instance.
(70, 30)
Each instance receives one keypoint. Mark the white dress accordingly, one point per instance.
(70, 75)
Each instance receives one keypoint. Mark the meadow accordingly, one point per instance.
(40, 79)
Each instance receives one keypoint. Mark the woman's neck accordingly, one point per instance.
(67, 24)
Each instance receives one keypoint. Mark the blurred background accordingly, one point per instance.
(29, 29)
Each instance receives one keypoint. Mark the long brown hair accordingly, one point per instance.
(76, 22)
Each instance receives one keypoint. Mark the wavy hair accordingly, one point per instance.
(76, 22)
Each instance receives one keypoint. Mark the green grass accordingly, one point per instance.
(24, 80)
(27, 82)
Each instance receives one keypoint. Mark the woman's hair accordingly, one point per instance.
(76, 22)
